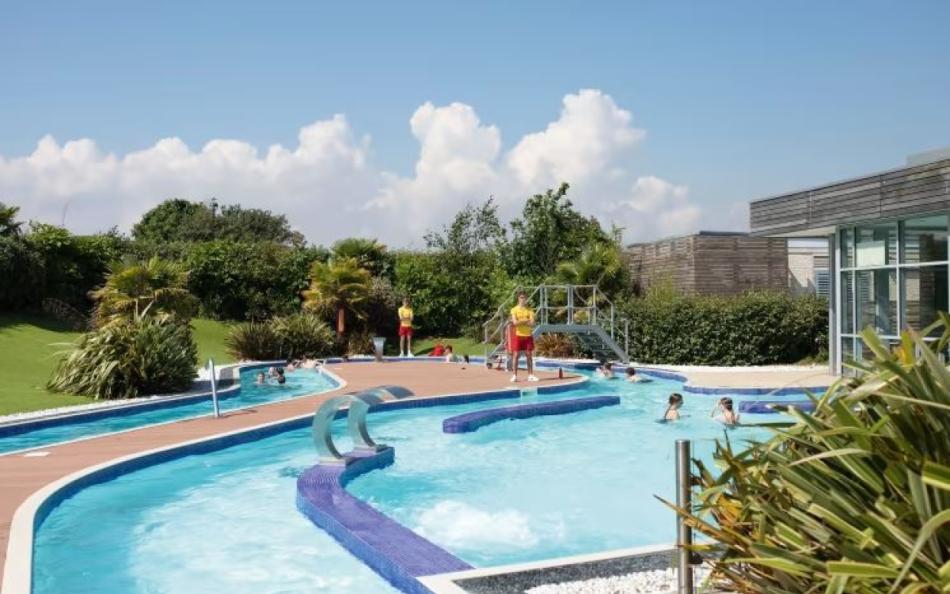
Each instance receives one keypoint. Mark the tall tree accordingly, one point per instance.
(550, 231)
(338, 287)
(181, 220)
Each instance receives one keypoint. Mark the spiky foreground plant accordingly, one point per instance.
(854, 498)
(125, 359)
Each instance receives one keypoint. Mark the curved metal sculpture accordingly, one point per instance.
(357, 406)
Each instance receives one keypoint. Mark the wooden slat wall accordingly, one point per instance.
(712, 264)
(920, 189)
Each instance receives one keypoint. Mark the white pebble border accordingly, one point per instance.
(48, 412)
(660, 581)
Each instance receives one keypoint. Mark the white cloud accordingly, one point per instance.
(329, 187)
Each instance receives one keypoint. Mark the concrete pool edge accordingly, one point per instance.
(29, 515)
(547, 569)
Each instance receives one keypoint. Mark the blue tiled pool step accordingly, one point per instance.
(472, 421)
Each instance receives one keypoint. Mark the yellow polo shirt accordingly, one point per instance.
(405, 317)
(522, 316)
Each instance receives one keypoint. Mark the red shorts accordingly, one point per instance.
(522, 343)
(405, 331)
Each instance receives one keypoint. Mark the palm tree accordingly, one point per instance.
(368, 253)
(337, 287)
(599, 264)
(135, 289)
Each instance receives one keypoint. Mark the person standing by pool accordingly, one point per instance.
(522, 317)
(405, 328)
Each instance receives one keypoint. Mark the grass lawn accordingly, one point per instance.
(460, 346)
(29, 353)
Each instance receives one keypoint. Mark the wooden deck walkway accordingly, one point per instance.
(21, 475)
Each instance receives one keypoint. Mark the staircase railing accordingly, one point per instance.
(567, 306)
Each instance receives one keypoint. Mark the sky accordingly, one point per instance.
(385, 118)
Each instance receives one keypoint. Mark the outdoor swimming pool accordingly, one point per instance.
(299, 383)
(513, 491)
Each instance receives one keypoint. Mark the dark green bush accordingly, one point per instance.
(295, 336)
(451, 295)
(248, 281)
(758, 328)
(23, 272)
(137, 357)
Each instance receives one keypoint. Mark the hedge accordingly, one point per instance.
(757, 328)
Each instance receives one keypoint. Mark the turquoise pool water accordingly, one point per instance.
(299, 383)
(513, 491)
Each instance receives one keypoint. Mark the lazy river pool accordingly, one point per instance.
(509, 492)
(299, 383)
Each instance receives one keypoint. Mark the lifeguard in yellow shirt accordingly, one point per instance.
(405, 328)
(522, 317)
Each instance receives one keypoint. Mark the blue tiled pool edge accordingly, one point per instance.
(393, 551)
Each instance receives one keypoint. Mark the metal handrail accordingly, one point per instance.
(594, 307)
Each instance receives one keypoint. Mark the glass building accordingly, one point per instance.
(887, 236)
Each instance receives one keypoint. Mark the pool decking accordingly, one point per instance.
(24, 473)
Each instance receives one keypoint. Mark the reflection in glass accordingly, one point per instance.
(847, 248)
(925, 239)
(876, 293)
(847, 349)
(924, 292)
(847, 302)
(876, 245)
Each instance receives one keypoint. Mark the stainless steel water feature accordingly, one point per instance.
(214, 390)
(357, 406)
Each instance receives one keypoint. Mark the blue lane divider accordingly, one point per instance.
(472, 421)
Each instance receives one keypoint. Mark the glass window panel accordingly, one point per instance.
(847, 349)
(924, 291)
(847, 303)
(925, 239)
(876, 245)
(876, 294)
(847, 248)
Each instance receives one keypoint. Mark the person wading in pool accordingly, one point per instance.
(405, 328)
(522, 317)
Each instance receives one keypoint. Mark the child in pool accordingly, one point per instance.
(607, 370)
(281, 378)
(261, 378)
(673, 410)
(727, 416)
(632, 376)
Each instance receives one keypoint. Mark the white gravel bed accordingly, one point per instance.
(660, 581)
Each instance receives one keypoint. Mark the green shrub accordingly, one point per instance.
(556, 345)
(852, 499)
(757, 328)
(138, 357)
(248, 281)
(18, 261)
(296, 336)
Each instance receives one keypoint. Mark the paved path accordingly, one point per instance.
(754, 377)
(20, 476)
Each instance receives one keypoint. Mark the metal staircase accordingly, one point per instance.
(581, 310)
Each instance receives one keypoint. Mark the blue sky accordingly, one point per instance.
(737, 99)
